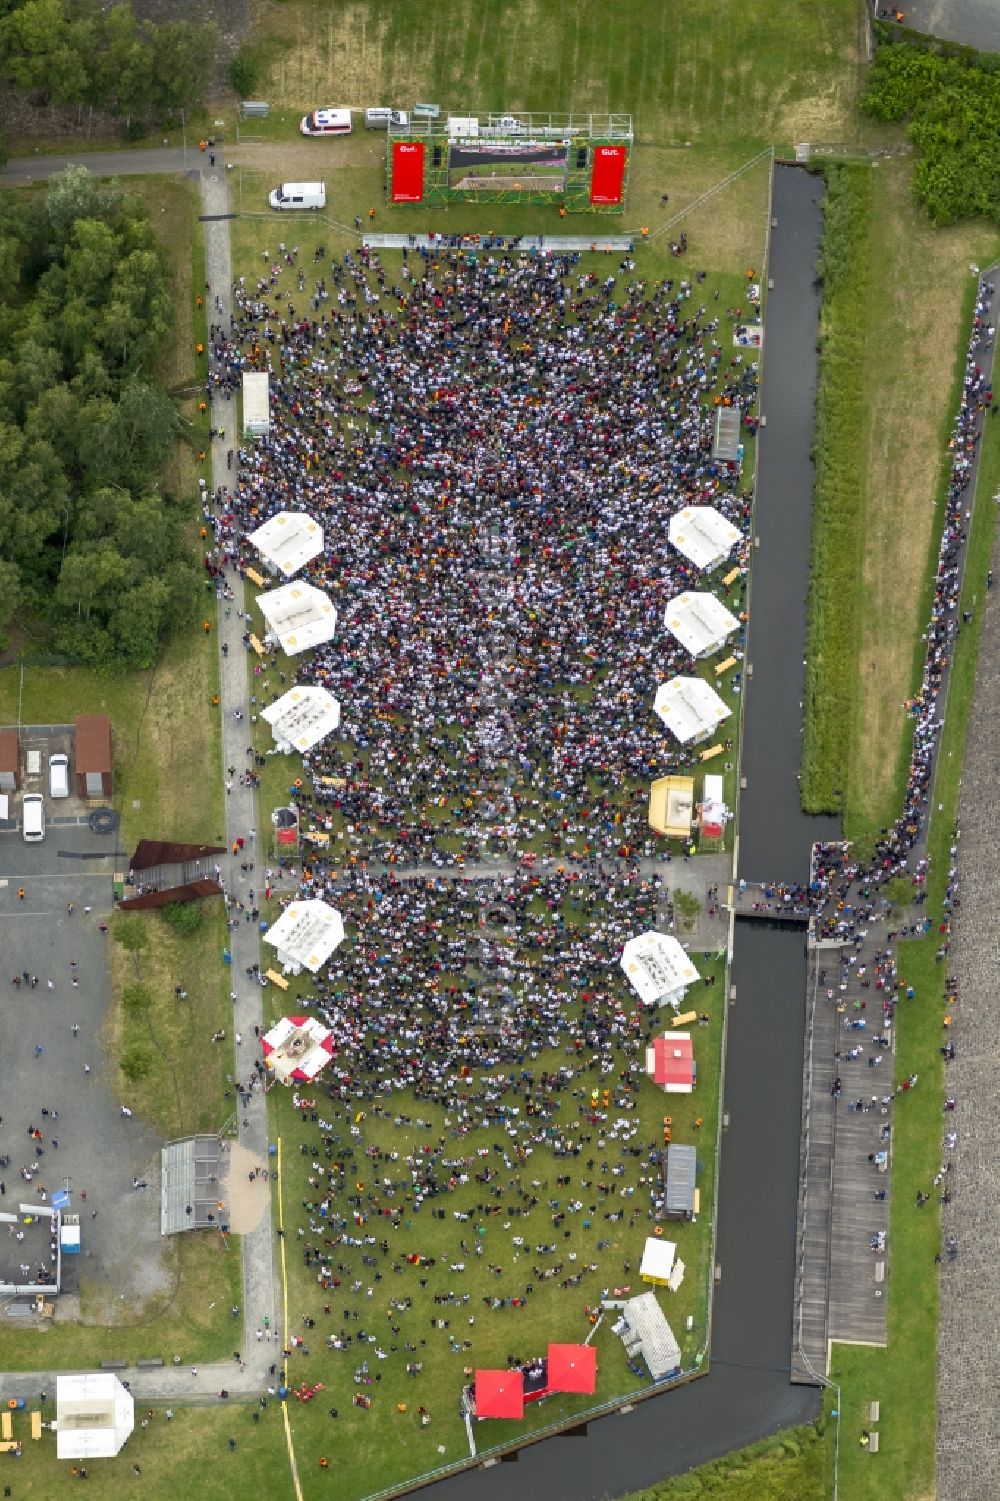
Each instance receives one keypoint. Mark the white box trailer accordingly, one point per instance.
(256, 404)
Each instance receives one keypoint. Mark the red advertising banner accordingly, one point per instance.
(608, 175)
(407, 171)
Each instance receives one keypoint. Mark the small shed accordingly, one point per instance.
(256, 404)
(679, 1177)
(713, 814)
(670, 1063)
(93, 756)
(10, 761)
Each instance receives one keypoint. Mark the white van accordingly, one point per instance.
(299, 195)
(33, 817)
(59, 776)
(326, 122)
(381, 119)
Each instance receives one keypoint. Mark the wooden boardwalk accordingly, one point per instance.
(810, 1306)
(841, 1286)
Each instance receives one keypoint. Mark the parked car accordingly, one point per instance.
(59, 776)
(33, 817)
(326, 122)
(380, 118)
(298, 195)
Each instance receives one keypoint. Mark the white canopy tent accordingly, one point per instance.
(700, 622)
(657, 1260)
(703, 535)
(297, 1048)
(690, 708)
(298, 616)
(287, 541)
(658, 968)
(305, 935)
(94, 1415)
(301, 718)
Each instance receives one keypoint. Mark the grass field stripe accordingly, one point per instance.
(284, 1329)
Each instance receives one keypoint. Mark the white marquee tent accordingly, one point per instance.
(298, 616)
(658, 968)
(301, 718)
(703, 535)
(94, 1416)
(700, 622)
(305, 935)
(690, 708)
(287, 541)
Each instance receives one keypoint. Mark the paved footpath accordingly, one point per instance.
(261, 1288)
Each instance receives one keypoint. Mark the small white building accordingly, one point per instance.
(256, 403)
(298, 616)
(690, 708)
(94, 1416)
(305, 935)
(301, 718)
(288, 541)
(700, 622)
(703, 536)
(658, 968)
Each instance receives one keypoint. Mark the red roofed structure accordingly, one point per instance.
(297, 1048)
(670, 1063)
(572, 1368)
(499, 1394)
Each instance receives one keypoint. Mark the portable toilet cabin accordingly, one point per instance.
(256, 404)
(10, 761)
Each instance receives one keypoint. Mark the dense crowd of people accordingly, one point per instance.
(494, 446)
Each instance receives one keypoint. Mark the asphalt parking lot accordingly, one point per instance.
(99, 1151)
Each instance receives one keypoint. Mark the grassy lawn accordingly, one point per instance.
(789, 1467)
(184, 1090)
(381, 1445)
(727, 72)
(903, 1376)
(886, 395)
(192, 1450)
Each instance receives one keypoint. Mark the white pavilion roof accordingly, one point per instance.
(690, 708)
(302, 717)
(288, 541)
(306, 934)
(299, 615)
(700, 622)
(703, 535)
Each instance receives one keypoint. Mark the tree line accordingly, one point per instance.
(83, 53)
(950, 97)
(87, 542)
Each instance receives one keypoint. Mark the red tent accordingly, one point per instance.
(572, 1368)
(499, 1394)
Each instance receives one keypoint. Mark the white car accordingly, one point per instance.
(59, 776)
(326, 122)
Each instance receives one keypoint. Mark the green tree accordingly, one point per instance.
(136, 1001)
(137, 1062)
(130, 931)
(38, 52)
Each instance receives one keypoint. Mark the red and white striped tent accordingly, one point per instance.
(297, 1048)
